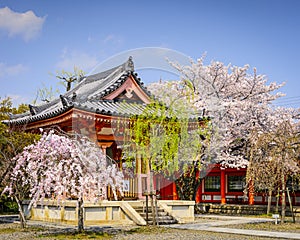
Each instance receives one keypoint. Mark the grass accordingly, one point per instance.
(40, 233)
(12, 228)
(8, 230)
(147, 230)
(84, 235)
(105, 235)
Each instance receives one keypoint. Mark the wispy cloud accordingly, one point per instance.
(112, 39)
(27, 24)
(13, 70)
(82, 60)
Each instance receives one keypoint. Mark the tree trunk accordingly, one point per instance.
(291, 205)
(80, 215)
(147, 210)
(68, 88)
(21, 213)
(187, 185)
(277, 201)
(156, 211)
(283, 201)
(269, 202)
(152, 209)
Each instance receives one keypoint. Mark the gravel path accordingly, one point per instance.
(184, 235)
(12, 231)
(198, 230)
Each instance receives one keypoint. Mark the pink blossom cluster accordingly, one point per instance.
(237, 102)
(63, 167)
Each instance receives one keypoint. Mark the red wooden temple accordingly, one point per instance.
(97, 104)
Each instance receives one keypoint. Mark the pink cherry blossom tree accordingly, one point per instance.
(236, 100)
(62, 167)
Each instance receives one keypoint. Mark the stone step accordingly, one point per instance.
(162, 221)
(162, 216)
(143, 210)
(167, 217)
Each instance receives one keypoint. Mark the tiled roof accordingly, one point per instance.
(88, 95)
(28, 118)
(112, 108)
(101, 84)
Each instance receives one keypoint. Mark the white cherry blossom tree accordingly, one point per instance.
(236, 101)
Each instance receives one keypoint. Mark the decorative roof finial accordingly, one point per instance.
(129, 65)
(32, 110)
(74, 96)
(65, 101)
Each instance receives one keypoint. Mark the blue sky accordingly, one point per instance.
(37, 38)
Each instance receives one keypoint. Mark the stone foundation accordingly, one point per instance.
(234, 209)
(105, 212)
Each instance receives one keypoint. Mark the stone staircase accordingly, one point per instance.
(163, 218)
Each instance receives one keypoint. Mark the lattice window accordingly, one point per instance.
(212, 184)
(236, 183)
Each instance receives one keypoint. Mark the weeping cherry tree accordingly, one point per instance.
(63, 167)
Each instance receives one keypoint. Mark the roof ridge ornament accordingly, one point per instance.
(74, 96)
(32, 109)
(129, 65)
(66, 102)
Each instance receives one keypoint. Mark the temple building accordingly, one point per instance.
(96, 105)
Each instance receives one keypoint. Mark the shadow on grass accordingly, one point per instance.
(103, 232)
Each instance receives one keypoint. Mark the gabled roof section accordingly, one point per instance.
(95, 93)
(131, 89)
(100, 85)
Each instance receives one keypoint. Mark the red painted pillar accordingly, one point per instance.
(223, 187)
(175, 196)
(251, 193)
(199, 190)
(199, 194)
